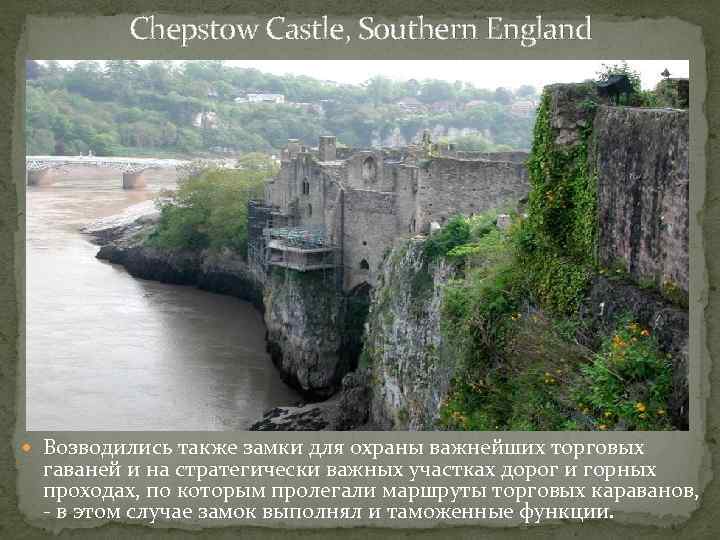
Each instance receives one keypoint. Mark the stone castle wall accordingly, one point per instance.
(370, 229)
(366, 199)
(448, 186)
(641, 157)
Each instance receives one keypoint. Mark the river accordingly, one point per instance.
(106, 351)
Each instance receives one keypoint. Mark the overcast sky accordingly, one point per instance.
(482, 73)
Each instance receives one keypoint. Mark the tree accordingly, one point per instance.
(525, 91)
(379, 90)
(88, 79)
(40, 142)
(434, 90)
(158, 76)
(33, 70)
(638, 97)
(608, 70)
(123, 75)
(503, 96)
(473, 143)
(151, 106)
(209, 210)
(104, 144)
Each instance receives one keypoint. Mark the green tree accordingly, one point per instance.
(434, 90)
(379, 90)
(210, 210)
(40, 142)
(608, 70)
(503, 96)
(525, 91)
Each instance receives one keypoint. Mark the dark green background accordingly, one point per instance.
(706, 14)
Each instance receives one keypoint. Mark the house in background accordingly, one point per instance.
(261, 98)
(410, 104)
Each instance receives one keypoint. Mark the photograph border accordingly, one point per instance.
(12, 522)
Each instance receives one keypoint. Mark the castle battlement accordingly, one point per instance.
(364, 199)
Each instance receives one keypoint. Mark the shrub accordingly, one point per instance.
(629, 381)
(208, 210)
(455, 233)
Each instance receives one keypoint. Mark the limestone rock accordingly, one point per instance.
(410, 367)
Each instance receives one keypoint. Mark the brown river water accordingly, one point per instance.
(106, 351)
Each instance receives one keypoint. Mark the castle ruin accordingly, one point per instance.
(339, 210)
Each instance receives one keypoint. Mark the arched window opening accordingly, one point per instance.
(364, 265)
(369, 169)
(306, 187)
(309, 210)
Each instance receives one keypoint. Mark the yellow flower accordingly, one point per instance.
(661, 412)
(640, 407)
(608, 414)
(645, 332)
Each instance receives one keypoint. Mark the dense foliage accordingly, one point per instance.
(510, 317)
(168, 108)
(209, 210)
(628, 382)
(556, 243)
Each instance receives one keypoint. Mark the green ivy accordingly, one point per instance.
(557, 242)
(546, 258)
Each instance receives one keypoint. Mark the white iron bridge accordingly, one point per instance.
(40, 170)
(125, 164)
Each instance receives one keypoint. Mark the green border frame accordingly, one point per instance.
(703, 13)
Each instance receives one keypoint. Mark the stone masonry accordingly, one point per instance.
(363, 200)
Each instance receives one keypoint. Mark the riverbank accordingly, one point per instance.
(334, 398)
(403, 378)
(133, 354)
(122, 241)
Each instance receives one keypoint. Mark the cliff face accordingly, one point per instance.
(410, 368)
(224, 273)
(313, 333)
(122, 241)
(305, 317)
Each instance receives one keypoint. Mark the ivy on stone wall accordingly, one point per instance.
(557, 243)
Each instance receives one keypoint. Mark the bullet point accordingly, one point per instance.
(25, 447)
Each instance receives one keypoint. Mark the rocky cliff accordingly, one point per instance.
(303, 314)
(122, 241)
(313, 332)
(609, 298)
(410, 368)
